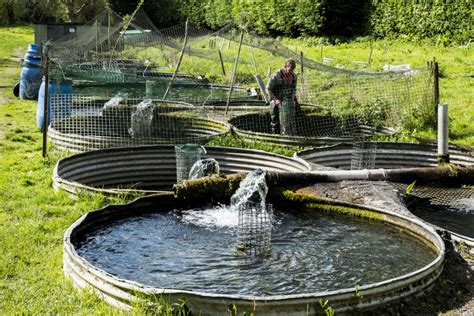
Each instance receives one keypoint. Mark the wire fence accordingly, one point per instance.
(224, 74)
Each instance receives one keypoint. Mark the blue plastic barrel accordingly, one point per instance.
(31, 74)
(62, 106)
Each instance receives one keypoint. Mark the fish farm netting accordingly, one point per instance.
(110, 57)
(83, 123)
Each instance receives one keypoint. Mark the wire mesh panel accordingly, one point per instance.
(186, 156)
(190, 63)
(364, 155)
(254, 232)
(94, 124)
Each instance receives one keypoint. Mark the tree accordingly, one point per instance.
(83, 10)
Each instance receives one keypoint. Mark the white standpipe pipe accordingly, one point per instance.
(443, 152)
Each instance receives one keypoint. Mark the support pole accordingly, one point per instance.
(369, 62)
(222, 62)
(435, 85)
(443, 143)
(179, 61)
(46, 97)
(234, 72)
(302, 72)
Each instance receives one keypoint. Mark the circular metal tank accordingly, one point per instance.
(312, 129)
(198, 130)
(386, 155)
(389, 155)
(150, 169)
(122, 293)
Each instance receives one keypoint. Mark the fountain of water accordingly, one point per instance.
(255, 216)
(204, 168)
(141, 120)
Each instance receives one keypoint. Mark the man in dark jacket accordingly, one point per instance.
(281, 89)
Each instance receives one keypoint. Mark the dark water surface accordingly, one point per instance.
(310, 252)
(458, 217)
(182, 92)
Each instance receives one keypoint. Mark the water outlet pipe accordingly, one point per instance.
(443, 152)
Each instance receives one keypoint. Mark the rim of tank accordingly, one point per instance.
(79, 143)
(410, 155)
(103, 170)
(120, 292)
(287, 140)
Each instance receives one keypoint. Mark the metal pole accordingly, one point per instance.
(179, 61)
(234, 72)
(443, 142)
(46, 98)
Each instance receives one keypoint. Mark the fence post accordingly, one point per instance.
(234, 72)
(302, 72)
(222, 62)
(435, 86)
(46, 97)
(179, 61)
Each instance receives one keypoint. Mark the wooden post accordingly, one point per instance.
(46, 97)
(234, 72)
(222, 44)
(179, 61)
(369, 62)
(302, 72)
(435, 88)
(253, 59)
(222, 62)
(96, 37)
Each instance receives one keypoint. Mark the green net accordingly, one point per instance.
(224, 74)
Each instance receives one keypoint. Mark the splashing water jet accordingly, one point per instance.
(204, 168)
(141, 120)
(255, 216)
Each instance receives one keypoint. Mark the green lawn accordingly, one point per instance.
(33, 217)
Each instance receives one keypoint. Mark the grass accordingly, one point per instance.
(33, 218)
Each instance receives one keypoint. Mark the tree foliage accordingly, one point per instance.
(445, 19)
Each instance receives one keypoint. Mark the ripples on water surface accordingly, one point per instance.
(194, 250)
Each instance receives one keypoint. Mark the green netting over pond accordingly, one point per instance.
(110, 56)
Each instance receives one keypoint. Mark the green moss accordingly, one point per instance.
(217, 188)
(307, 201)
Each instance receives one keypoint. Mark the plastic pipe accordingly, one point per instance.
(443, 152)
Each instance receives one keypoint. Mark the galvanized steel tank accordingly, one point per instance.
(149, 169)
(122, 293)
(386, 155)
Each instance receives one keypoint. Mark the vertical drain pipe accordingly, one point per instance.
(443, 153)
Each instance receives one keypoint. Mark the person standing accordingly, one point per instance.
(281, 89)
